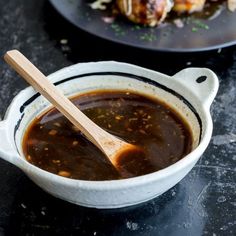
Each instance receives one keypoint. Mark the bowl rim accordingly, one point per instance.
(190, 158)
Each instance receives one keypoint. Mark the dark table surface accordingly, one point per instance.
(203, 203)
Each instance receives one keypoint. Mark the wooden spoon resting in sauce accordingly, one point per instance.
(113, 147)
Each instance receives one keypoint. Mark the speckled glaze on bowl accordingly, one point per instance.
(190, 92)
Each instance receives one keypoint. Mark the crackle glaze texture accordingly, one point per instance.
(203, 203)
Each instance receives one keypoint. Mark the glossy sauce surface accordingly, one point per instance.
(54, 144)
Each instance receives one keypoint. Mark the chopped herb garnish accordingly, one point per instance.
(137, 27)
(118, 30)
(200, 24)
(148, 37)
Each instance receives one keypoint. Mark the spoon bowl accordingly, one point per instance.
(183, 91)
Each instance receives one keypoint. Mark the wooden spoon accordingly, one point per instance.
(110, 145)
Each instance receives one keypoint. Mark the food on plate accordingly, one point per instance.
(154, 12)
(52, 143)
(231, 5)
(188, 6)
(145, 12)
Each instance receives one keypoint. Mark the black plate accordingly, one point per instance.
(196, 35)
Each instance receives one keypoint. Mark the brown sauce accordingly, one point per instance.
(52, 143)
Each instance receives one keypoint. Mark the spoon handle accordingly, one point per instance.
(39, 81)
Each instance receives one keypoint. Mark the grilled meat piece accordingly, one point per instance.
(145, 12)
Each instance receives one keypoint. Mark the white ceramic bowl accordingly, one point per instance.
(190, 92)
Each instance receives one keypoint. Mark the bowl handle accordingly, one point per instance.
(200, 81)
(6, 148)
